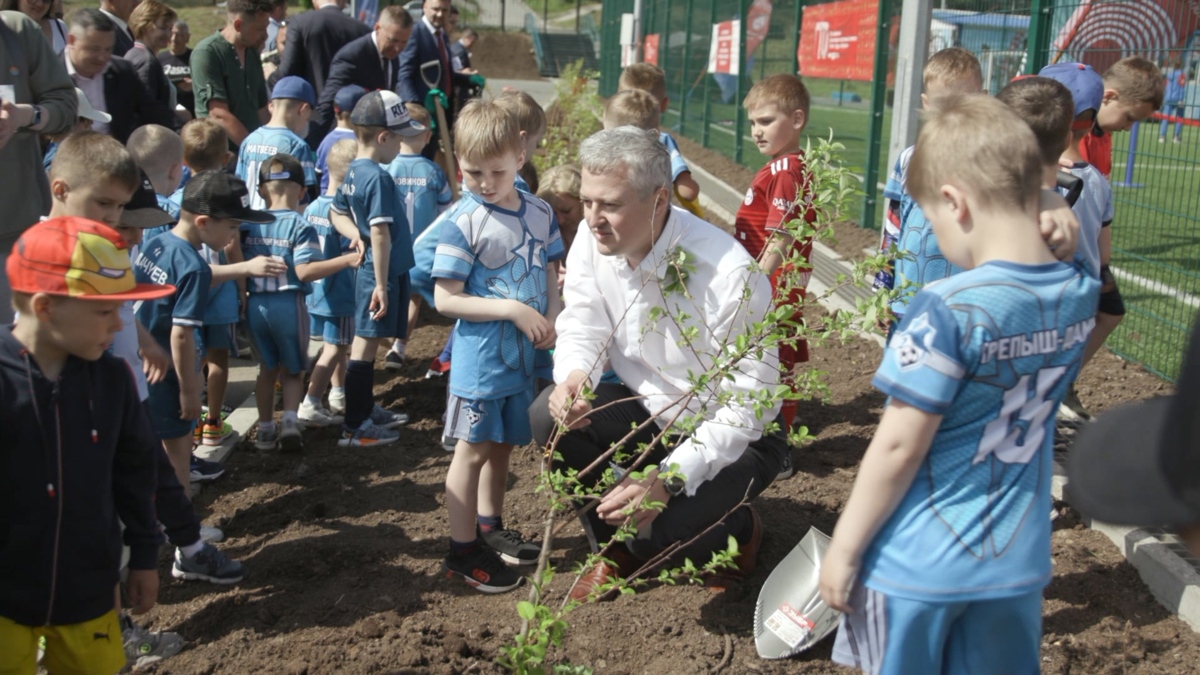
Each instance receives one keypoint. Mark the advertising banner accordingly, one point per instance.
(837, 40)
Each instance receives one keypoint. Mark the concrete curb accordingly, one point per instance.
(1164, 564)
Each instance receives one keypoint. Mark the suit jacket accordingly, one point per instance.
(313, 40)
(457, 50)
(125, 99)
(356, 63)
(416, 63)
(156, 89)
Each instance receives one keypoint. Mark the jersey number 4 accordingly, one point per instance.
(1018, 432)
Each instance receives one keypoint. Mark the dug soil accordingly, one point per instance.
(504, 55)
(344, 546)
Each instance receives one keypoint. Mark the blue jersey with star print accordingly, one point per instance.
(993, 350)
(919, 261)
(498, 254)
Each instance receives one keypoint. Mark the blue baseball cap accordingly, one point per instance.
(1085, 84)
(347, 97)
(296, 88)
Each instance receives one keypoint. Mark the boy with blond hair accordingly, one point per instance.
(276, 316)
(293, 100)
(331, 303)
(652, 80)
(501, 291)
(942, 551)
(424, 192)
(343, 105)
(1133, 90)
(158, 152)
(777, 108)
(366, 211)
(69, 278)
(531, 120)
(560, 189)
(632, 107)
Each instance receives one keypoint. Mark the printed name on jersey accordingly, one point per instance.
(157, 274)
(416, 181)
(1034, 344)
(259, 149)
(266, 241)
(749, 196)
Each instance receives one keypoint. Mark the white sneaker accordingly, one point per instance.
(289, 437)
(317, 416)
(211, 534)
(337, 404)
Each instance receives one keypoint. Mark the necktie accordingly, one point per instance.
(445, 57)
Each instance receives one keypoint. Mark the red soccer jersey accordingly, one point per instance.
(1097, 151)
(771, 201)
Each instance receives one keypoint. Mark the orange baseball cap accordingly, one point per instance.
(77, 258)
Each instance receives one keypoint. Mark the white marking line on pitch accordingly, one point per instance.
(1158, 287)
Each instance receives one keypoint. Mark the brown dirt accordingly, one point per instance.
(505, 55)
(343, 547)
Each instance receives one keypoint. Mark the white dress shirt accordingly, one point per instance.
(93, 89)
(607, 313)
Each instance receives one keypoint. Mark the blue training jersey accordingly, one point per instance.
(258, 148)
(919, 259)
(168, 259)
(333, 295)
(993, 350)
(498, 254)
(290, 238)
(421, 188)
(368, 197)
(420, 277)
(678, 165)
(322, 166)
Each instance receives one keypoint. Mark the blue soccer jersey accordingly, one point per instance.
(518, 182)
(420, 277)
(422, 189)
(260, 145)
(333, 295)
(223, 298)
(498, 254)
(678, 165)
(289, 238)
(169, 259)
(169, 205)
(1094, 209)
(368, 196)
(993, 350)
(919, 259)
(337, 134)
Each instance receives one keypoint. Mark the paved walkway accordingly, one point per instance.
(507, 13)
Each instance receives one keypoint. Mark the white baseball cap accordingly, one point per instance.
(87, 111)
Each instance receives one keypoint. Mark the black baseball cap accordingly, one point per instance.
(143, 210)
(1139, 464)
(291, 169)
(221, 195)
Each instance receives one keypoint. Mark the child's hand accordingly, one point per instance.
(353, 260)
(548, 340)
(189, 405)
(378, 306)
(1059, 226)
(143, 590)
(838, 572)
(531, 322)
(155, 362)
(266, 266)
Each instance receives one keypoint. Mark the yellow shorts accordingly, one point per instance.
(92, 647)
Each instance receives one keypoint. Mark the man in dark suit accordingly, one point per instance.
(313, 40)
(426, 70)
(108, 81)
(119, 11)
(371, 61)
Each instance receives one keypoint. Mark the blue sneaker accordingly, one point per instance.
(209, 564)
(203, 471)
(367, 435)
(387, 419)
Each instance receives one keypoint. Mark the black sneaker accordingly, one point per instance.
(393, 361)
(203, 471)
(786, 470)
(483, 570)
(511, 546)
(209, 564)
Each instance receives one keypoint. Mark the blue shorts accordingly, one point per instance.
(891, 635)
(333, 330)
(503, 420)
(163, 406)
(278, 325)
(220, 336)
(394, 324)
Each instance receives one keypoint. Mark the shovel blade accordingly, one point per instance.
(790, 616)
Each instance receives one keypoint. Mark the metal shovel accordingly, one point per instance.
(790, 616)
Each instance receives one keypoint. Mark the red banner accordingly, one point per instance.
(723, 50)
(837, 40)
(758, 22)
(650, 49)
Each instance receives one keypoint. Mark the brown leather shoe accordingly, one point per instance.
(604, 573)
(746, 559)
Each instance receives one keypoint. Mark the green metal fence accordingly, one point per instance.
(1156, 236)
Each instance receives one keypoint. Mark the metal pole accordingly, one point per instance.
(878, 94)
(739, 119)
(545, 14)
(503, 11)
(911, 54)
(578, 4)
(684, 93)
(707, 119)
(637, 31)
(1037, 43)
(1133, 140)
(797, 19)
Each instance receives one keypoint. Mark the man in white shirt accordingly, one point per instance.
(660, 325)
(89, 53)
(119, 11)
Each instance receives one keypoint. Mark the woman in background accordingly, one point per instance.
(40, 11)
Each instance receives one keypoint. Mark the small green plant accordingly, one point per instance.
(574, 116)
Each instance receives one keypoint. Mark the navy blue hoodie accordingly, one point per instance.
(75, 454)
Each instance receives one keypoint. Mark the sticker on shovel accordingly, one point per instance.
(780, 629)
(789, 625)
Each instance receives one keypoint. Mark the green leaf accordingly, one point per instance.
(526, 610)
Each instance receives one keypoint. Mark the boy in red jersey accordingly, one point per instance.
(778, 110)
(1133, 90)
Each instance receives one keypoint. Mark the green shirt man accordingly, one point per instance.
(227, 75)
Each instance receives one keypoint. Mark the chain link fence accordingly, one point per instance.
(1156, 233)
